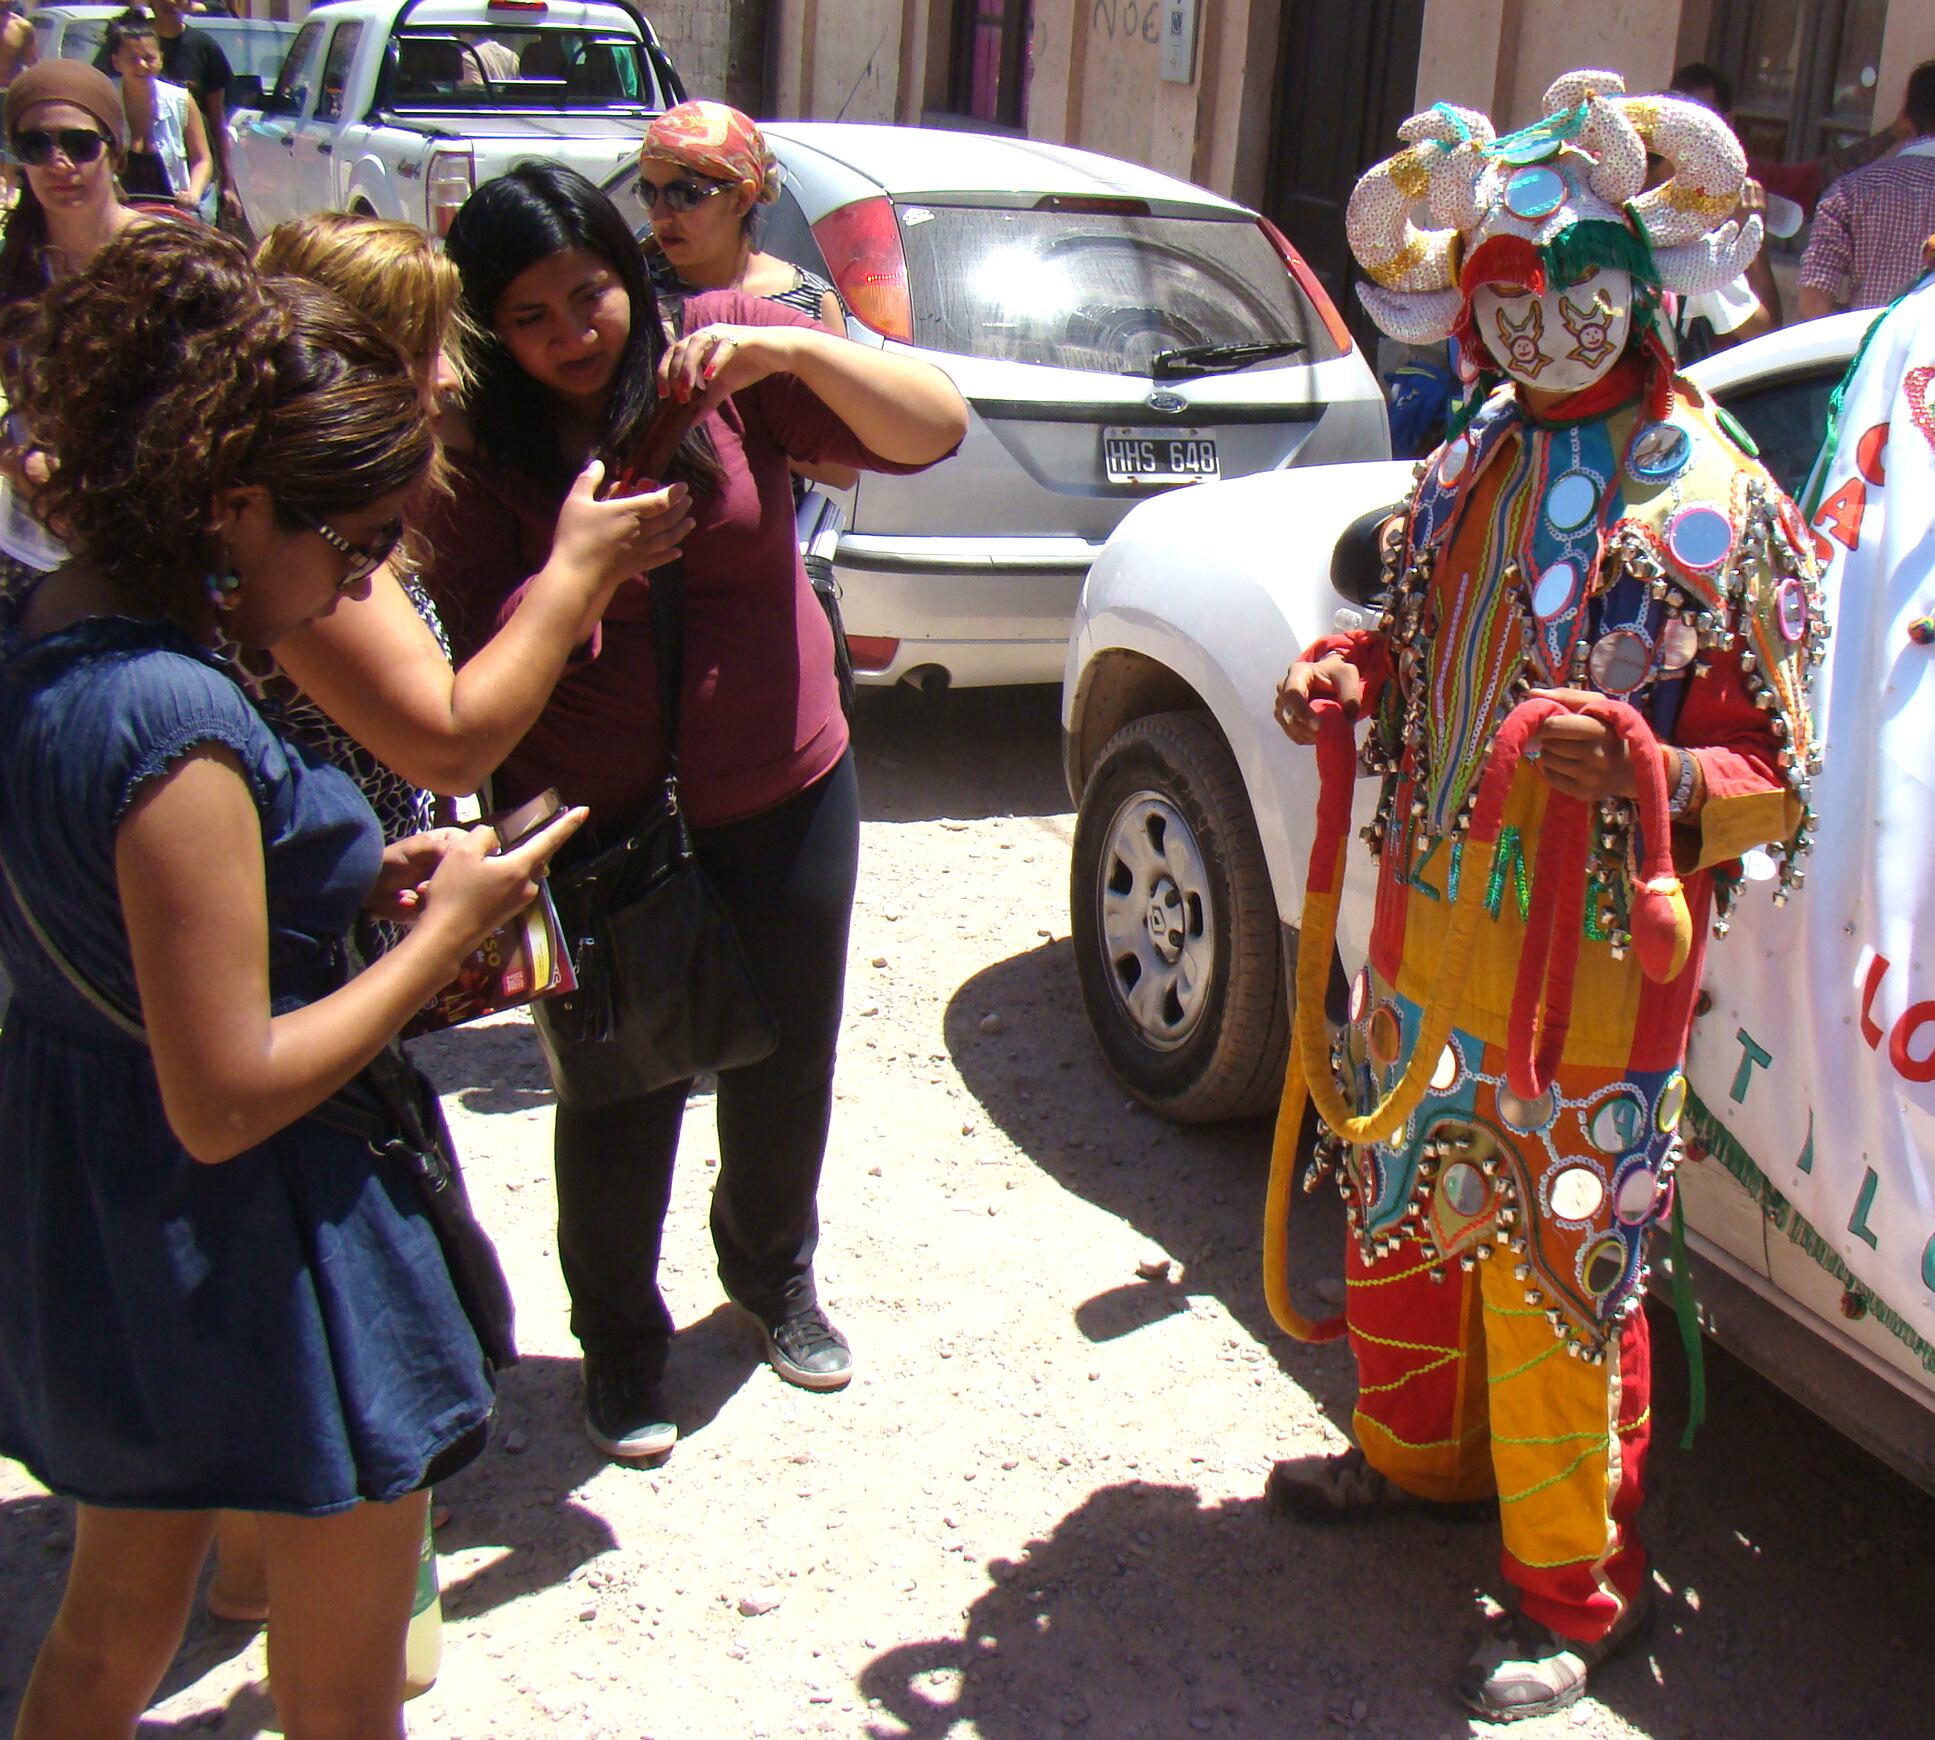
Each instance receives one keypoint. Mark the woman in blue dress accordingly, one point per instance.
(209, 1298)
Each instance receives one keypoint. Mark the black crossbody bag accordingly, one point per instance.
(662, 978)
(391, 1107)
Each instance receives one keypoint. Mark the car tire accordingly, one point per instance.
(1177, 941)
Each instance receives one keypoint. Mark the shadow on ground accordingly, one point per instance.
(1148, 1613)
(518, 1502)
(964, 754)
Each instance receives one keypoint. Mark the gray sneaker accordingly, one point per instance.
(1523, 1669)
(623, 1414)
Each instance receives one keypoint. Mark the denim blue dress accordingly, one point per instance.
(278, 1332)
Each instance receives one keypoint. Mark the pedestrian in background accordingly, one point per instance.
(1870, 227)
(574, 363)
(209, 1298)
(193, 59)
(167, 156)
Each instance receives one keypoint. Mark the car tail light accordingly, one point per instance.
(450, 180)
(861, 243)
(516, 6)
(871, 652)
(1309, 283)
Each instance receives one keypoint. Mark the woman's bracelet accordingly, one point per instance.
(1682, 795)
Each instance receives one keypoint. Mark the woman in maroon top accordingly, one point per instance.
(576, 361)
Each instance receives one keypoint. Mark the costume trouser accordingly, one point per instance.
(1464, 1393)
(787, 878)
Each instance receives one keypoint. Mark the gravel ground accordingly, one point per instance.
(1035, 1512)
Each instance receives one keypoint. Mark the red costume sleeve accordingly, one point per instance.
(1748, 801)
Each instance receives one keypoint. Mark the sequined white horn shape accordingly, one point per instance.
(1715, 259)
(1708, 166)
(1612, 142)
(1388, 244)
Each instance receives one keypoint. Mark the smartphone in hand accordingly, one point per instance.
(515, 826)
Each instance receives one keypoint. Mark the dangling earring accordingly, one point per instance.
(224, 587)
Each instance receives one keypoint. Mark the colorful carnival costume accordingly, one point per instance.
(1501, 1106)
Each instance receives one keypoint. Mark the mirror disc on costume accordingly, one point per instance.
(1757, 864)
(1446, 1076)
(1572, 500)
(1464, 1189)
(1661, 452)
(1679, 645)
(1633, 1201)
(1620, 661)
(1700, 537)
(1535, 192)
(1526, 1117)
(1386, 1037)
(1790, 610)
(1672, 1103)
(1360, 994)
(1792, 526)
(1576, 1193)
(1554, 594)
(1618, 1124)
(1604, 1267)
(1451, 463)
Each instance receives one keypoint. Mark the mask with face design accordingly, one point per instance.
(1560, 342)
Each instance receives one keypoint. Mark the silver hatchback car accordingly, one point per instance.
(1115, 332)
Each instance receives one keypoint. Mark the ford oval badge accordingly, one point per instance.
(1161, 400)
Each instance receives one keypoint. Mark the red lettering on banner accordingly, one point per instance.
(1867, 455)
(1912, 1021)
(1841, 512)
(1877, 971)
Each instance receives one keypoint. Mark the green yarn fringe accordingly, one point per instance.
(1598, 244)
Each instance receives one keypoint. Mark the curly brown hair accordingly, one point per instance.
(169, 371)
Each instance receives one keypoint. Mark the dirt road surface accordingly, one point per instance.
(1036, 1511)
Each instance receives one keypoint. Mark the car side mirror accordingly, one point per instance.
(245, 91)
(1357, 560)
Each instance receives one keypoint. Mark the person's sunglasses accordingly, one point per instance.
(36, 146)
(363, 559)
(679, 196)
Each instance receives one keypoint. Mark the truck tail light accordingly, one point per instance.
(1309, 283)
(450, 180)
(861, 243)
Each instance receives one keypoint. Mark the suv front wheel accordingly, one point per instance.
(1175, 926)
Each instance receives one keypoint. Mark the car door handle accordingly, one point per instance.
(288, 141)
(325, 146)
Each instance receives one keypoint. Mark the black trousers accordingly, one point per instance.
(787, 877)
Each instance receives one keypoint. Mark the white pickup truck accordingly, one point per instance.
(401, 110)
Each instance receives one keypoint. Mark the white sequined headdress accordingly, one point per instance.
(1570, 191)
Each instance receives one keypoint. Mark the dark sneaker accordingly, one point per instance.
(1346, 1488)
(805, 1349)
(623, 1415)
(1524, 1669)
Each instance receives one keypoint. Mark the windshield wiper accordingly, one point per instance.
(1193, 360)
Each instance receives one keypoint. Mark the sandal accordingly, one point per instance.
(1346, 1488)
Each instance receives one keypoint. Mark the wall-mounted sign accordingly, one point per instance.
(1179, 25)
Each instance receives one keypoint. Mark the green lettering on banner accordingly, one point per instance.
(1752, 1053)
(1806, 1162)
(1928, 1265)
(1858, 1221)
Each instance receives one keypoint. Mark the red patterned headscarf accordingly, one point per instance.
(715, 140)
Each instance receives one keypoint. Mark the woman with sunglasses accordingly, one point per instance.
(575, 360)
(705, 178)
(209, 1298)
(66, 128)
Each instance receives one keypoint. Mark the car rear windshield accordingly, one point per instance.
(516, 69)
(1103, 291)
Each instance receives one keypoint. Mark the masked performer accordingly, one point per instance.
(1586, 696)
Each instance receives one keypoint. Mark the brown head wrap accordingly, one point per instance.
(68, 81)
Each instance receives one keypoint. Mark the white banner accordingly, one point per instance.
(1829, 1083)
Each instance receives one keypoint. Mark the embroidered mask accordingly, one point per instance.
(1560, 342)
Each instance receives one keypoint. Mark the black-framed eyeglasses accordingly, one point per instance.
(36, 146)
(683, 195)
(363, 559)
